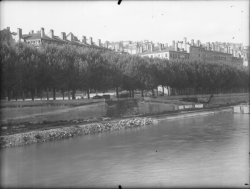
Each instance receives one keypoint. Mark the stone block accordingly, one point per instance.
(237, 109)
(188, 106)
(245, 109)
(181, 107)
(198, 105)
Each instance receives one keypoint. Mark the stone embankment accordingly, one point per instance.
(71, 131)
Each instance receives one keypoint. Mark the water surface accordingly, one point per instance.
(204, 151)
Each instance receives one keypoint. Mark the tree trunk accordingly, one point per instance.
(157, 91)
(68, 95)
(142, 94)
(88, 94)
(168, 88)
(162, 90)
(32, 94)
(73, 94)
(63, 94)
(23, 95)
(8, 95)
(54, 93)
(36, 92)
(47, 93)
(153, 93)
(117, 92)
(41, 95)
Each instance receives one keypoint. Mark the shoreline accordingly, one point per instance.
(39, 136)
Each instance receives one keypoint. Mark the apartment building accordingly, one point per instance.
(191, 51)
(183, 50)
(41, 37)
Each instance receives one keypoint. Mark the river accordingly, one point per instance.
(204, 151)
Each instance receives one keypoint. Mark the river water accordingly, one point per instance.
(205, 151)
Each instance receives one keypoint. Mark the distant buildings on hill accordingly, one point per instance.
(189, 51)
(178, 51)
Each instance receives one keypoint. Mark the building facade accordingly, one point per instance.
(231, 53)
(191, 51)
(40, 37)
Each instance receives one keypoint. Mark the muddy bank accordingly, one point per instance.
(71, 131)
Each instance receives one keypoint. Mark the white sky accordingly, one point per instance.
(159, 21)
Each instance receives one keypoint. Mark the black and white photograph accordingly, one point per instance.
(124, 94)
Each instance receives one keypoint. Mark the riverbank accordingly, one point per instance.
(21, 139)
(23, 124)
(39, 136)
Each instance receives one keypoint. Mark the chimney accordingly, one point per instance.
(213, 46)
(198, 43)
(151, 47)
(71, 37)
(207, 46)
(51, 33)
(63, 35)
(19, 34)
(84, 39)
(99, 43)
(42, 32)
(90, 40)
(173, 43)
(106, 44)
(185, 43)
(160, 46)
(192, 42)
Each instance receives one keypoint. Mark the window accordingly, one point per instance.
(166, 55)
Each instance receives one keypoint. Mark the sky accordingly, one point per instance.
(157, 21)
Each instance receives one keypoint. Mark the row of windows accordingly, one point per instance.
(165, 55)
(34, 42)
(216, 57)
(159, 55)
(175, 56)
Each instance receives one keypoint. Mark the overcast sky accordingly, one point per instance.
(158, 21)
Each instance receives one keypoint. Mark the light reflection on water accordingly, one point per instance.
(200, 151)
